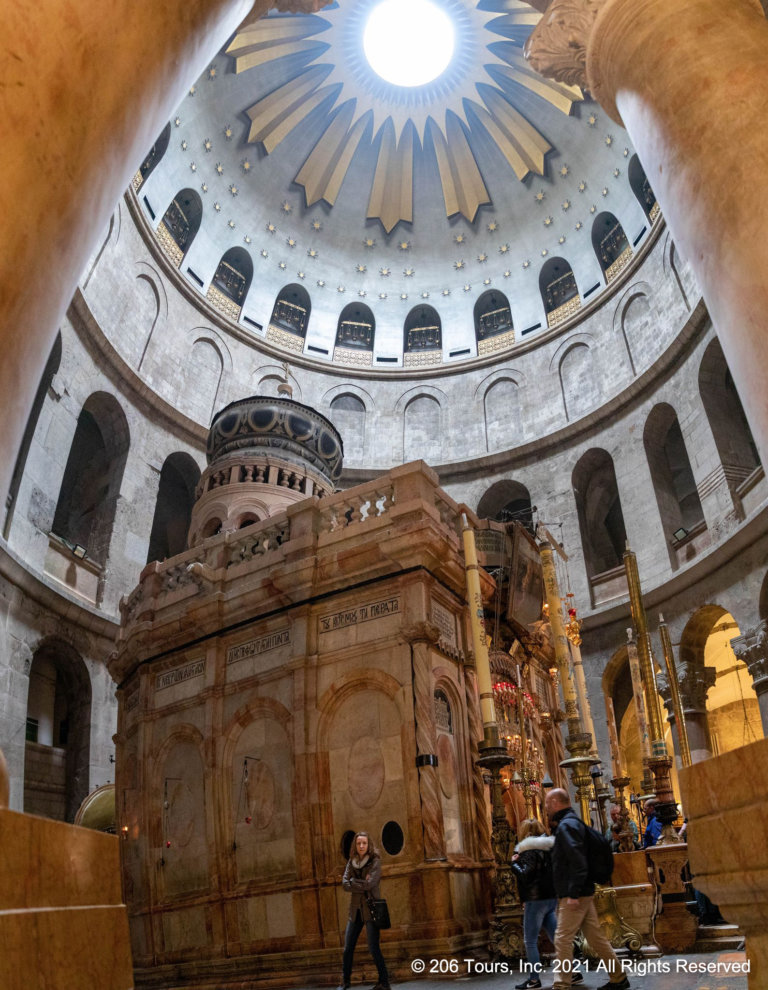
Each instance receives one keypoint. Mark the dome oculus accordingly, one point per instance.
(408, 42)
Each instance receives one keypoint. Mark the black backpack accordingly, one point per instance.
(599, 856)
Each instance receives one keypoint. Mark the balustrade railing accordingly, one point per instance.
(267, 537)
(344, 509)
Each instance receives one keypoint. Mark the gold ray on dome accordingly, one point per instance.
(324, 170)
(274, 117)
(392, 190)
(475, 94)
(463, 187)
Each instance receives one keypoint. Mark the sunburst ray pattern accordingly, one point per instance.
(476, 94)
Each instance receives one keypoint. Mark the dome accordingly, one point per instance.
(291, 152)
(277, 424)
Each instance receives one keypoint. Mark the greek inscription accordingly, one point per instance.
(172, 677)
(255, 647)
(363, 613)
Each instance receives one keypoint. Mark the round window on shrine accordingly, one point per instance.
(392, 838)
(346, 843)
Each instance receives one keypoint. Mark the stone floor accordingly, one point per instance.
(701, 971)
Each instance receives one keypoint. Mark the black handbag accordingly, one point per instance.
(379, 911)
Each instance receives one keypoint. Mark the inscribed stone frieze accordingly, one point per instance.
(258, 653)
(359, 613)
(180, 682)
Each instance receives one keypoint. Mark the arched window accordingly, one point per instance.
(85, 510)
(733, 437)
(173, 508)
(611, 246)
(422, 337)
(288, 323)
(355, 333)
(731, 716)
(51, 367)
(581, 386)
(507, 501)
(156, 152)
(601, 521)
(231, 282)
(493, 322)
(57, 758)
(422, 433)
(203, 368)
(559, 291)
(641, 187)
(673, 481)
(501, 404)
(181, 222)
(348, 416)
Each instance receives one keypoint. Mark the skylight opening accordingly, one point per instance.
(408, 42)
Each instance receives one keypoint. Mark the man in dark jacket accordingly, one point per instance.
(652, 824)
(576, 907)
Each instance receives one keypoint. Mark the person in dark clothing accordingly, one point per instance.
(532, 866)
(576, 908)
(652, 832)
(361, 877)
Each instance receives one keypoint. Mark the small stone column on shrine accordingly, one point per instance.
(752, 648)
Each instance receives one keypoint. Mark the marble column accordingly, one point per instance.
(688, 80)
(422, 637)
(694, 685)
(83, 99)
(752, 648)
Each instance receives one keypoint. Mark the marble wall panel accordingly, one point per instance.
(261, 820)
(185, 804)
(365, 716)
(184, 929)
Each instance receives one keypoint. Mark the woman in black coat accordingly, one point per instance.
(361, 878)
(532, 866)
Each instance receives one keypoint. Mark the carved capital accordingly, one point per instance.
(262, 7)
(694, 685)
(557, 46)
(422, 632)
(752, 649)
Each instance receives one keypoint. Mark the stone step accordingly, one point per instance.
(718, 938)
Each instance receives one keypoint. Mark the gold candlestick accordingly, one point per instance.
(491, 740)
(660, 763)
(642, 721)
(674, 687)
(578, 742)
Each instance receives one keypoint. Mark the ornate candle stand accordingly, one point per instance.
(506, 928)
(666, 806)
(602, 795)
(659, 763)
(579, 745)
(626, 838)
